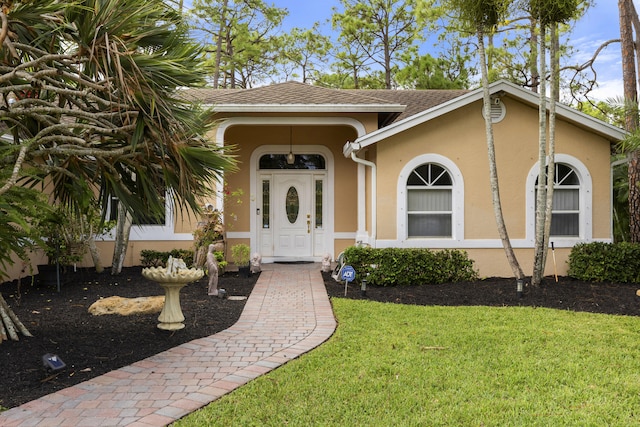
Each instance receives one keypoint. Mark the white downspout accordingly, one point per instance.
(374, 215)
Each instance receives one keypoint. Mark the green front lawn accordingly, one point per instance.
(391, 364)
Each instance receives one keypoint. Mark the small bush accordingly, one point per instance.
(399, 266)
(151, 258)
(611, 262)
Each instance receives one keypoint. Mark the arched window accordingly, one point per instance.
(429, 202)
(565, 212)
(572, 211)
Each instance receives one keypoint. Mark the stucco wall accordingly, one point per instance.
(248, 138)
(460, 137)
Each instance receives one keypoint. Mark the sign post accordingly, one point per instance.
(348, 275)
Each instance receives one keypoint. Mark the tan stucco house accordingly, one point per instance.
(405, 169)
(322, 169)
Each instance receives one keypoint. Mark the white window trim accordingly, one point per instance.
(150, 232)
(586, 202)
(457, 202)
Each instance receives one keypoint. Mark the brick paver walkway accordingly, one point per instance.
(287, 314)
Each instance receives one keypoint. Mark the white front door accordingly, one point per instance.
(292, 209)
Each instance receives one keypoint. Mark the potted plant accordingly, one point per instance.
(241, 255)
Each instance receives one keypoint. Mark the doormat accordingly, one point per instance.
(293, 262)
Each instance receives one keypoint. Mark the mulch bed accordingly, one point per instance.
(93, 345)
(566, 294)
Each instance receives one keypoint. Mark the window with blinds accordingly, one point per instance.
(565, 212)
(429, 202)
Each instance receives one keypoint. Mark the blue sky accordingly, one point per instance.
(599, 24)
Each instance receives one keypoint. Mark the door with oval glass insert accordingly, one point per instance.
(293, 217)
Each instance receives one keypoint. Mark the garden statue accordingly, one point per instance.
(326, 263)
(175, 264)
(256, 263)
(212, 268)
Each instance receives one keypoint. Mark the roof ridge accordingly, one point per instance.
(329, 89)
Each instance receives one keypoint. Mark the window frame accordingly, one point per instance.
(432, 186)
(585, 203)
(558, 185)
(457, 199)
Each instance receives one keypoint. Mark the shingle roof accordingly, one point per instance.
(291, 93)
(395, 104)
(416, 101)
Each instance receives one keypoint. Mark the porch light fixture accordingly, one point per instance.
(291, 158)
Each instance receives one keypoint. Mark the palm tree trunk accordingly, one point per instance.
(541, 190)
(123, 230)
(631, 116)
(493, 170)
(551, 165)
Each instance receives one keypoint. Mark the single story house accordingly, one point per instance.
(322, 169)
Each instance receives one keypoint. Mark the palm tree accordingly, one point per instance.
(482, 17)
(92, 97)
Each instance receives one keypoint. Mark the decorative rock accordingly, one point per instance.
(127, 306)
(174, 265)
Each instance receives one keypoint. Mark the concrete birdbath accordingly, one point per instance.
(172, 279)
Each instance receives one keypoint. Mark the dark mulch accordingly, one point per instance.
(91, 346)
(566, 294)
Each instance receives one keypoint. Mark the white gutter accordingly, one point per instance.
(361, 204)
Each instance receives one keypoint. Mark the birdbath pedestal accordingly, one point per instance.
(171, 317)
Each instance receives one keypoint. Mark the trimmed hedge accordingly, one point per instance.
(151, 258)
(610, 262)
(401, 266)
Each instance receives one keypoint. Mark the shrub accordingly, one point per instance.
(400, 266)
(151, 258)
(599, 262)
(241, 254)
